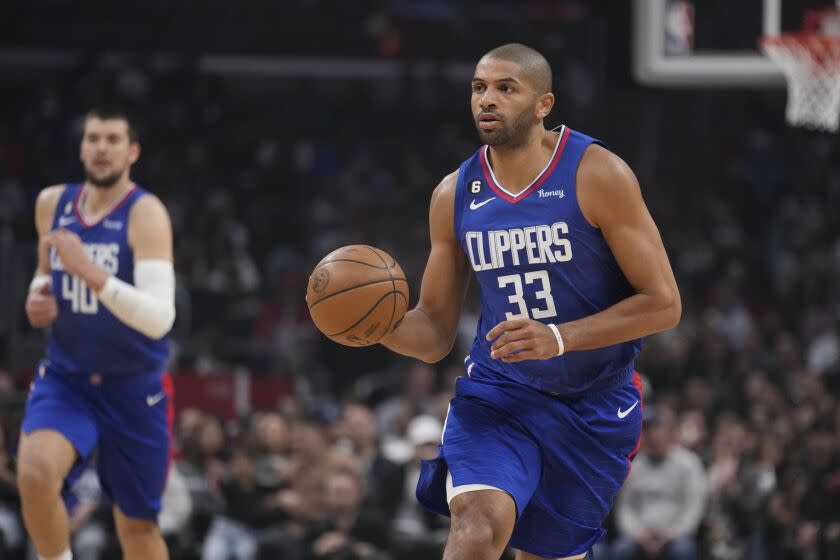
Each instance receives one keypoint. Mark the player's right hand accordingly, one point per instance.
(41, 307)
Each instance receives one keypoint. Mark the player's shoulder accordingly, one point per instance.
(446, 188)
(604, 168)
(45, 206)
(148, 221)
(606, 185)
(148, 207)
(147, 218)
(49, 196)
(442, 207)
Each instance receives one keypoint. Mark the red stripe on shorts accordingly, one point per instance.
(637, 383)
(169, 389)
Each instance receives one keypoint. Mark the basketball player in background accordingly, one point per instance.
(105, 283)
(573, 274)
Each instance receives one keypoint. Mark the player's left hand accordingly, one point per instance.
(71, 251)
(517, 340)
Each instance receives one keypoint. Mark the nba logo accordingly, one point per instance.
(679, 27)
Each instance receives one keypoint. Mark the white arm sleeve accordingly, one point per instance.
(149, 305)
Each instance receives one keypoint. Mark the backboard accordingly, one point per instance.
(669, 51)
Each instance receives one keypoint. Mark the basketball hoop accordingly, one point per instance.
(810, 61)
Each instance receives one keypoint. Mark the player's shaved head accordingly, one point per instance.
(511, 95)
(535, 67)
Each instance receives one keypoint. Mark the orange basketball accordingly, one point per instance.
(356, 295)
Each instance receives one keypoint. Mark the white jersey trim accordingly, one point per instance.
(89, 222)
(539, 175)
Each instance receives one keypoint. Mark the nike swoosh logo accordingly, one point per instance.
(475, 206)
(622, 414)
(152, 400)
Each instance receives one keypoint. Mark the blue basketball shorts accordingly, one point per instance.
(126, 421)
(562, 460)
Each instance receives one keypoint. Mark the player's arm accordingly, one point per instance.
(428, 331)
(148, 305)
(41, 307)
(610, 199)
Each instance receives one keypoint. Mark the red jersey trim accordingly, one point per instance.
(637, 383)
(116, 207)
(500, 191)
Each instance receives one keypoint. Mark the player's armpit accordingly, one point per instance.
(610, 199)
(428, 331)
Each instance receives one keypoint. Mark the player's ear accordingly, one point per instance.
(545, 103)
(133, 152)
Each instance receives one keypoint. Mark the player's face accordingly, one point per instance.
(505, 106)
(107, 152)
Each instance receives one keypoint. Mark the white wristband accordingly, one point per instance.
(560, 348)
(38, 282)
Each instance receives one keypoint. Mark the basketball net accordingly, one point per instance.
(810, 60)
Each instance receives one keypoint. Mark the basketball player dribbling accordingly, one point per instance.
(573, 273)
(105, 284)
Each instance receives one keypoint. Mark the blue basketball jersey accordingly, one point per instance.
(536, 256)
(86, 337)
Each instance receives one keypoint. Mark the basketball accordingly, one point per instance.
(356, 294)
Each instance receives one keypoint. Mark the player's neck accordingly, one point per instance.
(518, 166)
(97, 200)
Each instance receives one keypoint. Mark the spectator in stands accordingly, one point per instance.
(349, 528)
(356, 432)
(661, 505)
(741, 479)
(202, 467)
(176, 513)
(11, 528)
(312, 457)
(186, 427)
(272, 438)
(417, 533)
(692, 431)
(233, 532)
(817, 531)
(89, 527)
(417, 397)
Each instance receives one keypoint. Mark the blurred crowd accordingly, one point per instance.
(335, 481)
(385, 28)
(262, 177)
